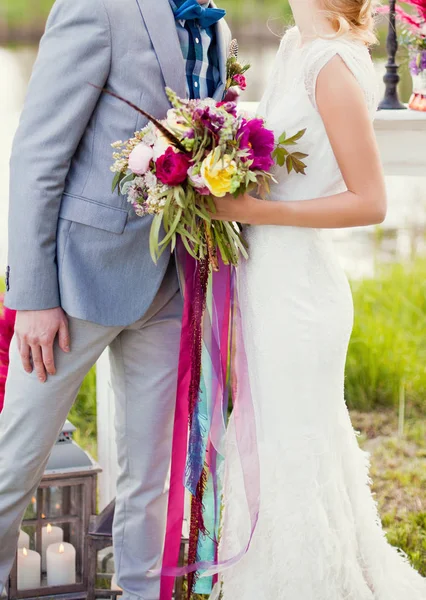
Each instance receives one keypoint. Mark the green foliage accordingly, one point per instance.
(410, 536)
(388, 347)
(249, 10)
(292, 160)
(83, 414)
(21, 12)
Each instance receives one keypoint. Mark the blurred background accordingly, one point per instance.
(386, 372)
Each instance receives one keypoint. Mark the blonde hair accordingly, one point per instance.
(355, 18)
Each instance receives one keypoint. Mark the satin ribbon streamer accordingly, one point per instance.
(199, 450)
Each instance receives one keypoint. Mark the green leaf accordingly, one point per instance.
(172, 228)
(282, 139)
(200, 211)
(188, 247)
(280, 156)
(179, 197)
(153, 236)
(289, 164)
(292, 141)
(116, 180)
(296, 162)
(298, 166)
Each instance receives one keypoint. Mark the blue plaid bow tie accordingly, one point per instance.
(207, 17)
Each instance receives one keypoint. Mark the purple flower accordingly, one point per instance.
(418, 63)
(210, 119)
(230, 107)
(259, 141)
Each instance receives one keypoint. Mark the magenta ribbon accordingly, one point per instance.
(222, 330)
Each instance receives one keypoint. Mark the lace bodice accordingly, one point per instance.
(289, 104)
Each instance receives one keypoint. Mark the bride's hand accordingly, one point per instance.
(244, 209)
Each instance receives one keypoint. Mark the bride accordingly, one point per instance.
(319, 535)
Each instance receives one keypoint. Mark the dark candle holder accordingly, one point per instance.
(392, 78)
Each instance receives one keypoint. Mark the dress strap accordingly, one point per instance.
(355, 56)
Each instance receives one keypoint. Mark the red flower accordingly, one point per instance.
(172, 167)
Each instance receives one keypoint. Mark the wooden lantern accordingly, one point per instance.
(59, 513)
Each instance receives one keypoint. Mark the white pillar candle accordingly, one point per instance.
(24, 540)
(29, 569)
(61, 569)
(49, 535)
(114, 586)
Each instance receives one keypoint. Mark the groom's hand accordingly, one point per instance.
(36, 332)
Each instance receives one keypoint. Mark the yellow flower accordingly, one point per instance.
(218, 177)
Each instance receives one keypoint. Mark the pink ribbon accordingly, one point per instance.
(225, 307)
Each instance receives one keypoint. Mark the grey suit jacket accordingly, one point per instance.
(72, 243)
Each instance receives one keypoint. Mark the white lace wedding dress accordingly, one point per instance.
(319, 535)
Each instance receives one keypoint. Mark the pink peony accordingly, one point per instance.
(241, 81)
(140, 158)
(259, 141)
(172, 167)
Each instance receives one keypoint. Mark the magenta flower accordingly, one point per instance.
(259, 141)
(241, 81)
(172, 167)
(7, 325)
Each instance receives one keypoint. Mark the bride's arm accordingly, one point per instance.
(342, 106)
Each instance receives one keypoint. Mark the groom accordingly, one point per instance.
(80, 274)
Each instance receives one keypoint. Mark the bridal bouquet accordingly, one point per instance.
(173, 170)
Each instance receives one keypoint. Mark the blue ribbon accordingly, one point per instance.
(191, 10)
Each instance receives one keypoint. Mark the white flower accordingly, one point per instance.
(150, 180)
(150, 135)
(160, 147)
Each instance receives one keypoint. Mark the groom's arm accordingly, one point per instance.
(75, 50)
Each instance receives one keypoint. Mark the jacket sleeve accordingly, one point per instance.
(75, 50)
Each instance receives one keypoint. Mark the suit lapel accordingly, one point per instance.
(160, 23)
(222, 51)
(223, 57)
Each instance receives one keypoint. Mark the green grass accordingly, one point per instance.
(399, 478)
(387, 352)
(409, 536)
(83, 414)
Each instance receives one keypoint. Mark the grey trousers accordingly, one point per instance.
(144, 358)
